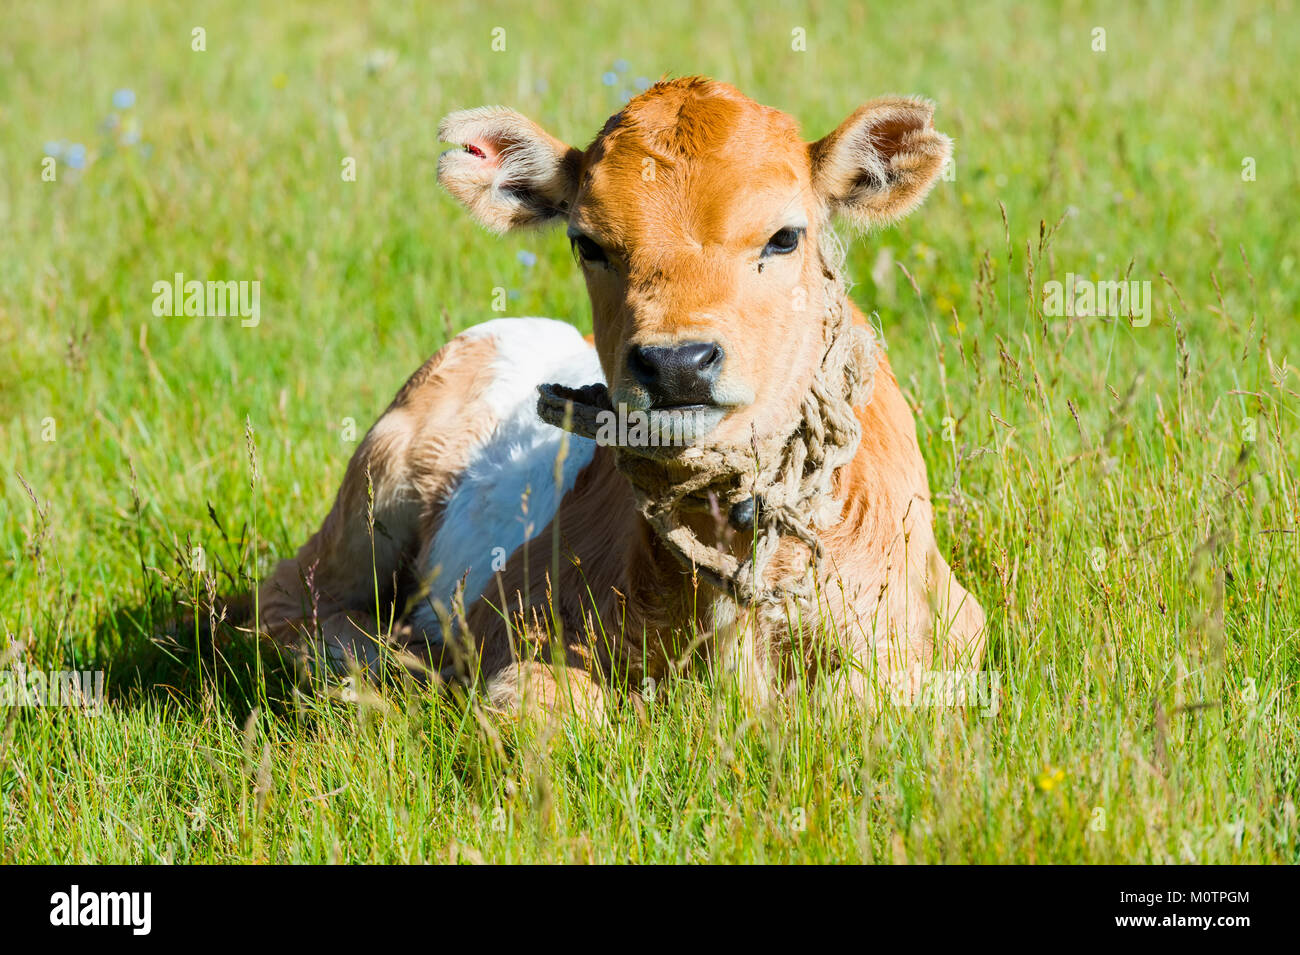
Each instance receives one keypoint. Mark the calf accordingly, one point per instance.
(484, 543)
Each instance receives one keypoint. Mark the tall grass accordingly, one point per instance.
(1122, 499)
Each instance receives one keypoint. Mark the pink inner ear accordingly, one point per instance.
(485, 149)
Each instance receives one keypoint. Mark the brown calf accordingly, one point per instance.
(702, 224)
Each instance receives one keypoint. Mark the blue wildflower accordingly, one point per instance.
(609, 79)
(123, 99)
(642, 83)
(527, 259)
(53, 149)
(620, 66)
(76, 157)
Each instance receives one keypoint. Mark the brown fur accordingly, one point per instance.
(683, 265)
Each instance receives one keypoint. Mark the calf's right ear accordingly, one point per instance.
(507, 171)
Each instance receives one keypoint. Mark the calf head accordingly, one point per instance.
(701, 222)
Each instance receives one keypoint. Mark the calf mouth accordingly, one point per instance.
(684, 425)
(668, 424)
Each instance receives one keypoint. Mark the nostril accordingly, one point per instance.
(702, 359)
(642, 367)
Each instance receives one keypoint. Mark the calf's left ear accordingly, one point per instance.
(881, 161)
(508, 171)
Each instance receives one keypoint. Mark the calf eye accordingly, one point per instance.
(783, 242)
(588, 250)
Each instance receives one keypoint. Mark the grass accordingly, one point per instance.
(1122, 499)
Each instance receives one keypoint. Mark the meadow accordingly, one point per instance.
(1120, 493)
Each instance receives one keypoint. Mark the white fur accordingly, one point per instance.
(485, 521)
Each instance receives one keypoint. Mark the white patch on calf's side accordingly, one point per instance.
(485, 514)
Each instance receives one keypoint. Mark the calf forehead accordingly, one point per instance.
(694, 162)
(694, 116)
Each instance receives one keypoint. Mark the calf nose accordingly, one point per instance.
(677, 374)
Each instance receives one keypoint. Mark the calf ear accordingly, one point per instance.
(508, 171)
(881, 161)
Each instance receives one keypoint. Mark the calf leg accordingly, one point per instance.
(339, 592)
(527, 689)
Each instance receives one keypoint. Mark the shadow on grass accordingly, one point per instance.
(166, 652)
